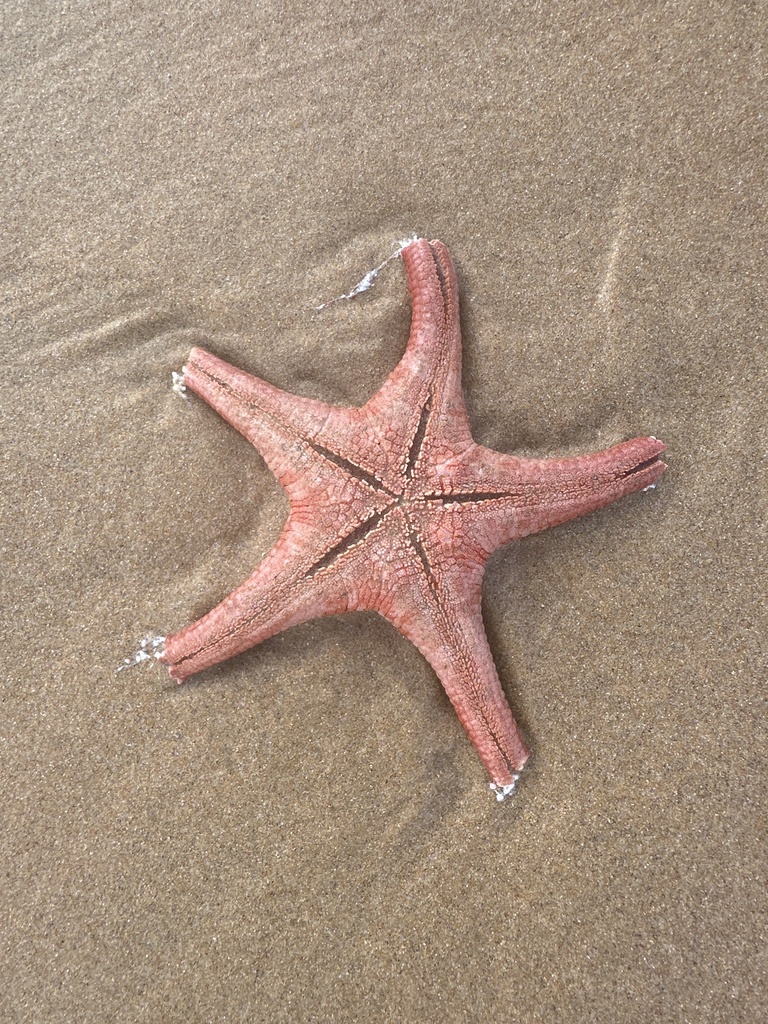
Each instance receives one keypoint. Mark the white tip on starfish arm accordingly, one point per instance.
(367, 282)
(178, 384)
(502, 791)
(151, 647)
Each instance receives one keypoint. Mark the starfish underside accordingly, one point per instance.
(394, 508)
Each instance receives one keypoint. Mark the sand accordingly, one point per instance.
(305, 833)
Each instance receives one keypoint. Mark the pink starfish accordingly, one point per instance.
(394, 508)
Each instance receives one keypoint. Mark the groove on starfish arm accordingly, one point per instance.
(394, 508)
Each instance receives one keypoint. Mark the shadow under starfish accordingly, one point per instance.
(395, 509)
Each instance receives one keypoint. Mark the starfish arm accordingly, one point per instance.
(297, 581)
(443, 619)
(301, 578)
(419, 412)
(494, 498)
(324, 488)
(271, 419)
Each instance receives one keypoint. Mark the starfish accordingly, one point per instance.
(394, 508)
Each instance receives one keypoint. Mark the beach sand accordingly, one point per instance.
(305, 833)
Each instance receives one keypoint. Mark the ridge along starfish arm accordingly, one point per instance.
(395, 509)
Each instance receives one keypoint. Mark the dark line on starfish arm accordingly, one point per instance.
(441, 279)
(418, 439)
(224, 385)
(352, 468)
(418, 547)
(460, 498)
(641, 466)
(416, 543)
(358, 534)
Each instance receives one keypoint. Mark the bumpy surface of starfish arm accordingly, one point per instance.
(395, 509)
(438, 607)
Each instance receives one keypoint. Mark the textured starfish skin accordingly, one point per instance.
(394, 508)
